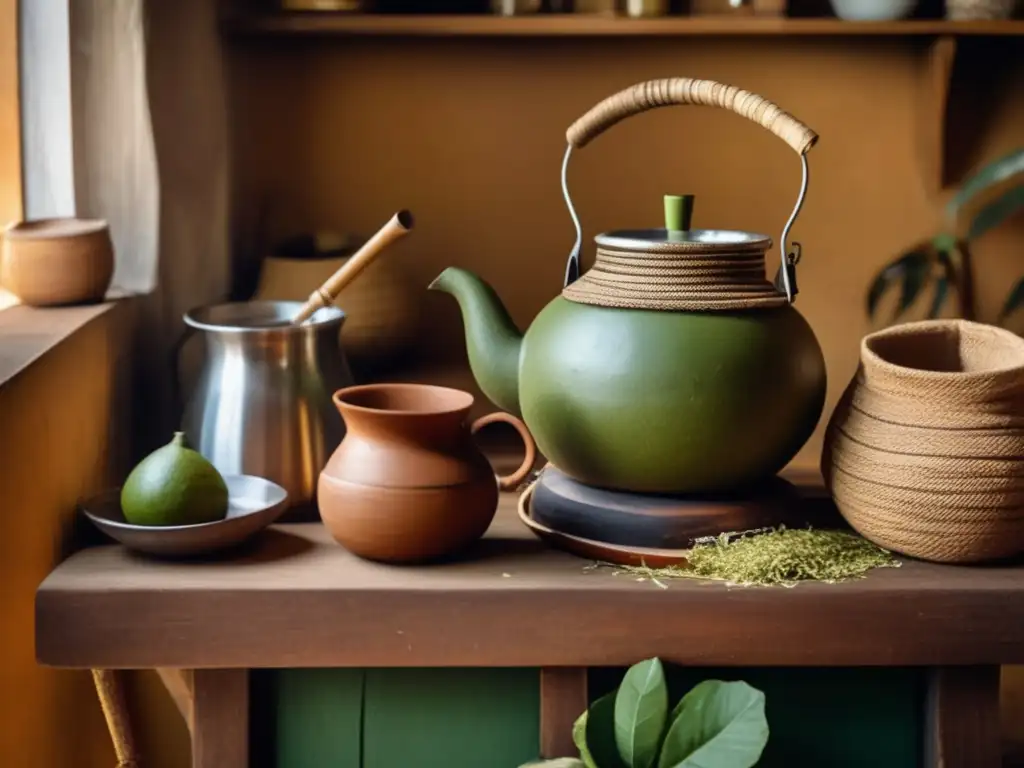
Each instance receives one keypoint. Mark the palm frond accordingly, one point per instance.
(995, 172)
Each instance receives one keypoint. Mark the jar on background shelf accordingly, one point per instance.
(515, 7)
(638, 9)
(352, 6)
(873, 10)
(979, 10)
(381, 308)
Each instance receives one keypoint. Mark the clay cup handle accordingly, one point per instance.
(684, 90)
(510, 482)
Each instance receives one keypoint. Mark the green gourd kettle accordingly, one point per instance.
(673, 365)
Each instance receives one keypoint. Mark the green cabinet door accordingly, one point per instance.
(451, 718)
(489, 718)
(406, 718)
(319, 714)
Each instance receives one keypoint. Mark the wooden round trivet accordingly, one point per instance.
(562, 504)
(596, 550)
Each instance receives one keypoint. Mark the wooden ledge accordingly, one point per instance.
(257, 23)
(28, 333)
(296, 599)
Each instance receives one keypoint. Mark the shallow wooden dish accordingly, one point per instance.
(616, 554)
(253, 504)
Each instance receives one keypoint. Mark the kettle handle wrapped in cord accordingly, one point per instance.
(682, 91)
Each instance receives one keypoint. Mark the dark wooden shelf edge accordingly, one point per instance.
(513, 602)
(585, 25)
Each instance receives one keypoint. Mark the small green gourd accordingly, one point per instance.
(174, 485)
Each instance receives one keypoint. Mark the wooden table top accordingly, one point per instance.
(296, 599)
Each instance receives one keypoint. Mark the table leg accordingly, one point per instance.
(962, 718)
(178, 683)
(563, 698)
(220, 718)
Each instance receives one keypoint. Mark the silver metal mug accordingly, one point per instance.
(262, 402)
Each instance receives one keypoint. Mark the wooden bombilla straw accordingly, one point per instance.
(399, 226)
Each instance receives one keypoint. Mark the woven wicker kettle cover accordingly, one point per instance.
(694, 270)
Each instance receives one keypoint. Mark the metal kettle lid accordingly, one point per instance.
(685, 241)
(678, 268)
(677, 237)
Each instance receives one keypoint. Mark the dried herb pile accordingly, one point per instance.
(779, 557)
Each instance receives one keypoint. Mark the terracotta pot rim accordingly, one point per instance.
(458, 401)
(964, 327)
(55, 228)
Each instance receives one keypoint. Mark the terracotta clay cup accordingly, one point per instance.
(50, 262)
(408, 483)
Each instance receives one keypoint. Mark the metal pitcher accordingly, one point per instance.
(262, 402)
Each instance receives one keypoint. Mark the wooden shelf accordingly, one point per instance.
(583, 25)
(297, 599)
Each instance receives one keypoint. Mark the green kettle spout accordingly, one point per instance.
(492, 339)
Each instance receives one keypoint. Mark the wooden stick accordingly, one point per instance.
(399, 226)
(110, 689)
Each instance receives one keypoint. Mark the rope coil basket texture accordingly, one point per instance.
(924, 454)
(689, 276)
(972, 10)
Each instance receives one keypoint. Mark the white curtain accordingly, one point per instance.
(149, 116)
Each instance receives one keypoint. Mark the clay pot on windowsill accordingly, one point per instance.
(50, 262)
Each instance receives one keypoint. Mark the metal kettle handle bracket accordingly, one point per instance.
(681, 91)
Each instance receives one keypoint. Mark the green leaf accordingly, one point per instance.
(716, 725)
(993, 173)
(878, 288)
(579, 738)
(599, 735)
(558, 762)
(1014, 301)
(944, 243)
(941, 292)
(914, 278)
(641, 708)
(996, 212)
(911, 269)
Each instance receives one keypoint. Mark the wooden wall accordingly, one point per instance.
(10, 129)
(469, 135)
(61, 437)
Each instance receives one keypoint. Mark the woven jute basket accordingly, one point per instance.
(979, 10)
(924, 454)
